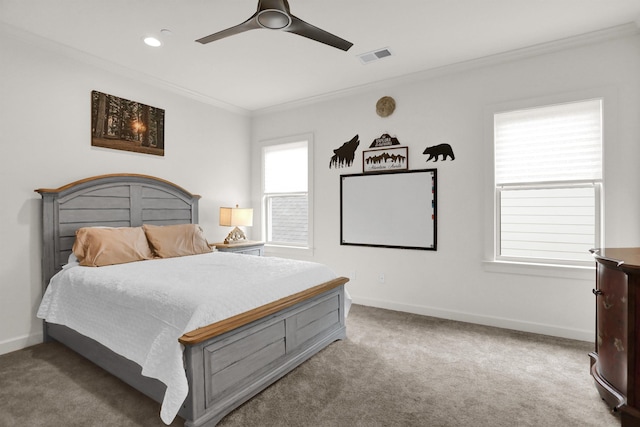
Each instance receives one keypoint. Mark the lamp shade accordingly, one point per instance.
(233, 217)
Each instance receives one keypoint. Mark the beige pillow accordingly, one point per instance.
(99, 246)
(176, 240)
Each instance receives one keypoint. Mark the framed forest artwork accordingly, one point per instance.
(122, 124)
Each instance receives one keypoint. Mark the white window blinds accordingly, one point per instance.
(285, 168)
(548, 173)
(548, 223)
(554, 143)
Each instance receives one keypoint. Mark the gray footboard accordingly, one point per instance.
(230, 369)
(227, 370)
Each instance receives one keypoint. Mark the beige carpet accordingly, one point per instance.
(395, 369)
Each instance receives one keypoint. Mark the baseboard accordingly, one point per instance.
(19, 343)
(24, 341)
(498, 322)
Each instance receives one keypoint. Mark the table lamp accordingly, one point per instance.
(234, 217)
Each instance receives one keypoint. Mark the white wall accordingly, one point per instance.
(45, 143)
(449, 106)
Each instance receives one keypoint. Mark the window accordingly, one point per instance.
(286, 195)
(548, 178)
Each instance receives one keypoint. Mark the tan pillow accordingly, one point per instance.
(99, 246)
(176, 240)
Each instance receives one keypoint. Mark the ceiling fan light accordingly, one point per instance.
(273, 19)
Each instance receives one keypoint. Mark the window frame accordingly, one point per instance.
(492, 262)
(288, 248)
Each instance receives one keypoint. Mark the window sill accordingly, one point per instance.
(545, 270)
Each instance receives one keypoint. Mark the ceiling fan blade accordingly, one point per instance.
(249, 24)
(275, 15)
(304, 29)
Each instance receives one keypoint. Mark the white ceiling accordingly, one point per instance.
(263, 68)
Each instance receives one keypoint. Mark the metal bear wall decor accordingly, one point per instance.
(344, 155)
(441, 149)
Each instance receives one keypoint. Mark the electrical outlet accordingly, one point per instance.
(353, 276)
(381, 277)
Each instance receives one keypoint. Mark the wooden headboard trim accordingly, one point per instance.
(89, 180)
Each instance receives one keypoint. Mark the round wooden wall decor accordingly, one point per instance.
(385, 106)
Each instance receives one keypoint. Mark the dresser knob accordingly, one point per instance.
(597, 292)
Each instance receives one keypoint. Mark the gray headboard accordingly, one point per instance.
(117, 200)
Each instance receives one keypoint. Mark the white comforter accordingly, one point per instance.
(140, 309)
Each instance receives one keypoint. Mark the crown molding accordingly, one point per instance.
(619, 31)
(594, 37)
(130, 73)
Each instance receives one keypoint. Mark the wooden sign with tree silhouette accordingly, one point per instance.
(385, 160)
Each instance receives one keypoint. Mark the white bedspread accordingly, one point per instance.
(139, 310)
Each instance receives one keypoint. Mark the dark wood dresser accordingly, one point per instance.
(615, 363)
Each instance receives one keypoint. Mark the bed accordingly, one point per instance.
(225, 362)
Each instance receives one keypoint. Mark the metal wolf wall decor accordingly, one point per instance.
(343, 156)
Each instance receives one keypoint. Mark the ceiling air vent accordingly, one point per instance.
(369, 57)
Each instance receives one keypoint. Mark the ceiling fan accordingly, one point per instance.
(275, 15)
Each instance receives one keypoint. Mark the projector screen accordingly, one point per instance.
(389, 209)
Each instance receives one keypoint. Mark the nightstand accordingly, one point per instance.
(247, 248)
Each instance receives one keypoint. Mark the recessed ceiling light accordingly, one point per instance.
(152, 41)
